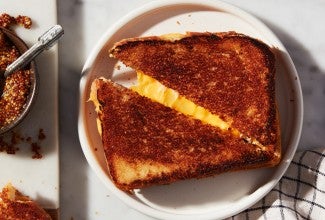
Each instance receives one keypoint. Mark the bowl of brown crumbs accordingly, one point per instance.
(20, 88)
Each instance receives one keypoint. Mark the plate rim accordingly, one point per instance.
(138, 205)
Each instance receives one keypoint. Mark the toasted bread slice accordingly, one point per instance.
(16, 206)
(229, 74)
(147, 143)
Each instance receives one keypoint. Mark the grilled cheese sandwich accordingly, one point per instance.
(153, 89)
(229, 74)
(147, 143)
(204, 104)
(14, 205)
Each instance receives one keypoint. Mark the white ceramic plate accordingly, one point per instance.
(37, 178)
(216, 197)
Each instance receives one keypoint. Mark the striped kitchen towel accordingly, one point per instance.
(300, 194)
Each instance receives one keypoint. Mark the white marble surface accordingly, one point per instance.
(297, 23)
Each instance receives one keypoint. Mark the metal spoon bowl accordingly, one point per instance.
(34, 80)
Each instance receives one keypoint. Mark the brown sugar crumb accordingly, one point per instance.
(12, 149)
(9, 143)
(25, 21)
(35, 146)
(14, 97)
(7, 21)
(17, 85)
(15, 138)
(36, 149)
(178, 22)
(41, 135)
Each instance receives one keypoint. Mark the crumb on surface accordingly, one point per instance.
(36, 149)
(41, 135)
(17, 85)
(7, 21)
(10, 143)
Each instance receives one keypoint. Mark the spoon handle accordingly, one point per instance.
(45, 42)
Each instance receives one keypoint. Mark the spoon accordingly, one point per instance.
(45, 42)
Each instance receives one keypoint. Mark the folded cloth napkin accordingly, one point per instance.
(300, 194)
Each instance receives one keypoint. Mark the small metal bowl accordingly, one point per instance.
(22, 47)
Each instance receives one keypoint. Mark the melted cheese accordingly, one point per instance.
(156, 91)
(153, 89)
(93, 98)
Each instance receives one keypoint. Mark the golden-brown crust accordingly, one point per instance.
(146, 143)
(15, 206)
(229, 74)
(232, 75)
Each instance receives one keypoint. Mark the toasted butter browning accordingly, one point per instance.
(153, 89)
(230, 74)
(14, 205)
(147, 143)
(204, 104)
